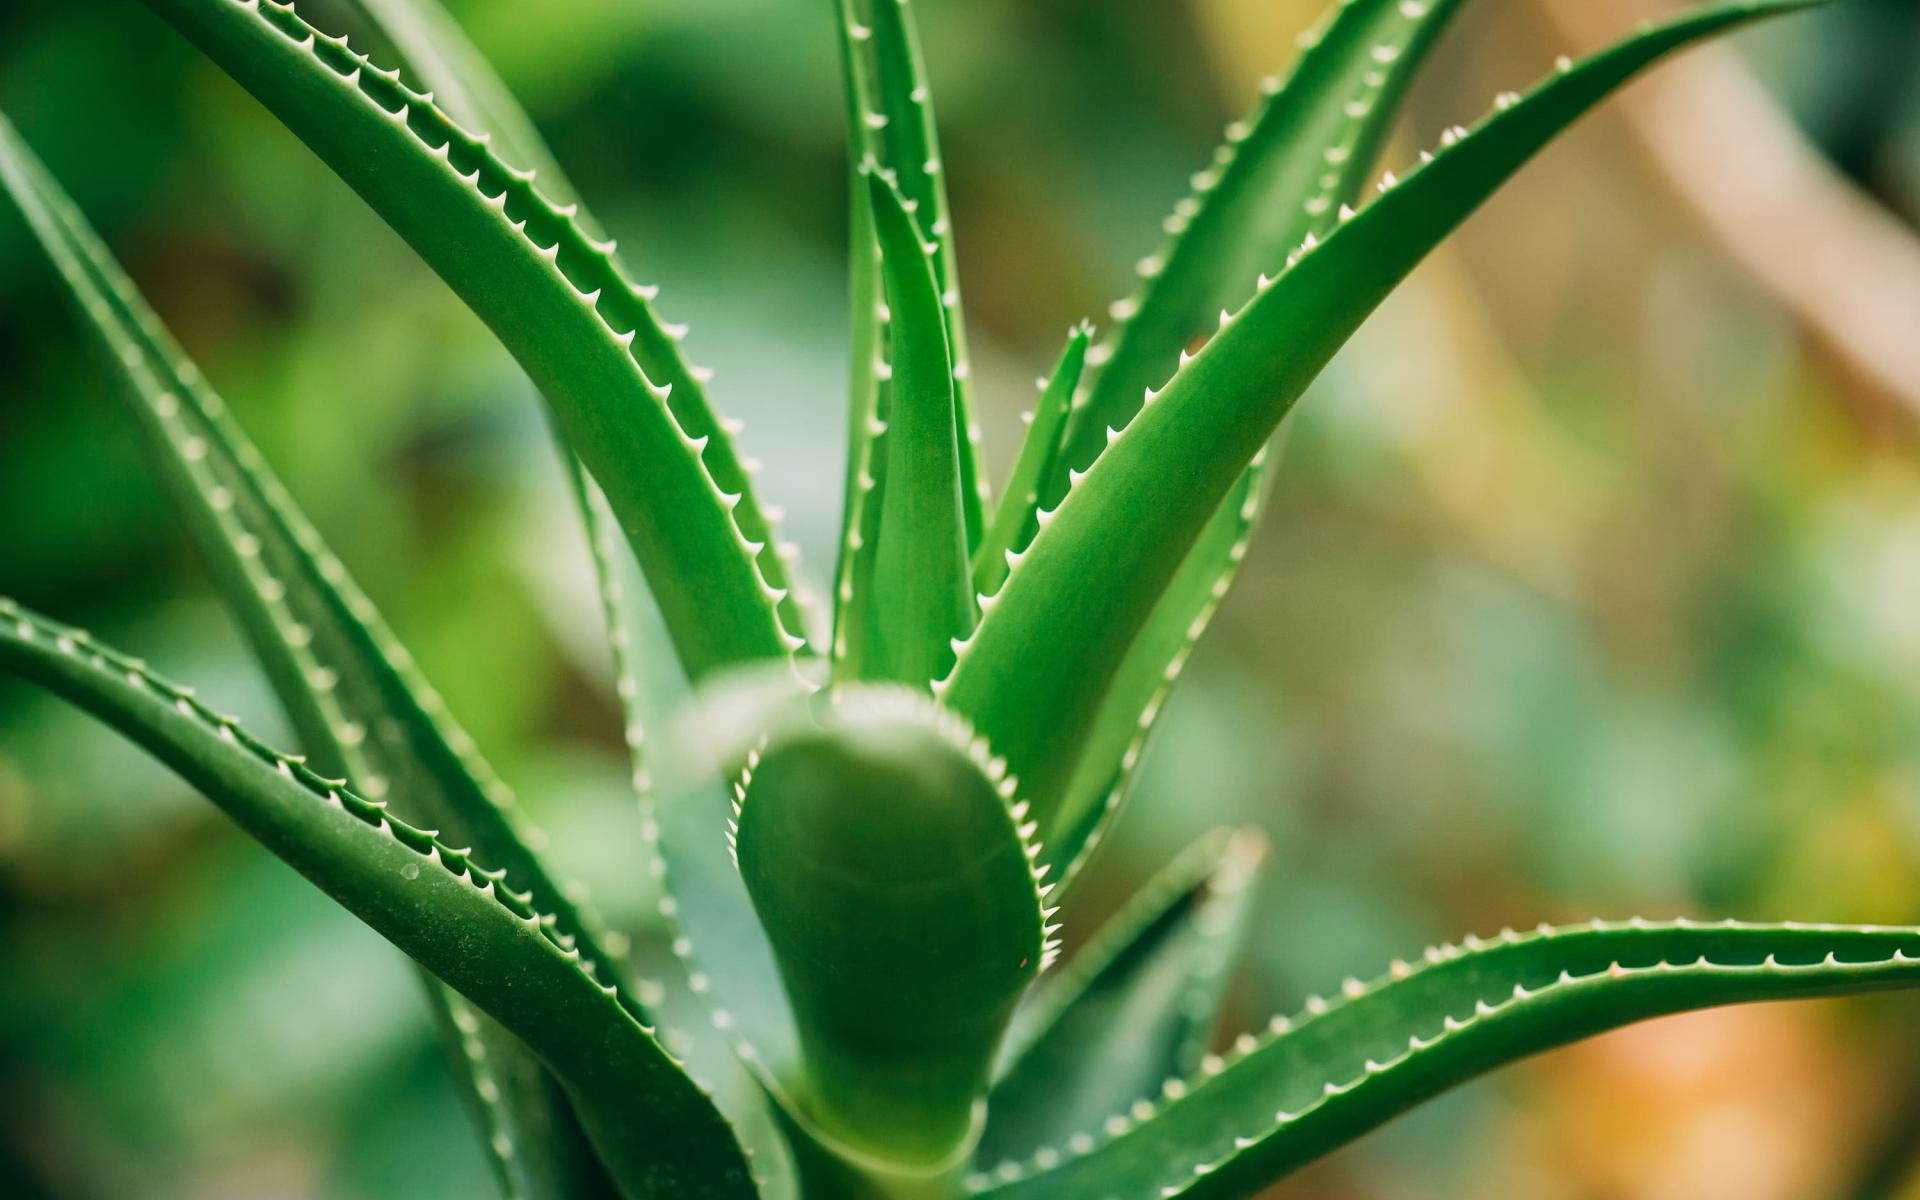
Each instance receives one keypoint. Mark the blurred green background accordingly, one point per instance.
(1592, 585)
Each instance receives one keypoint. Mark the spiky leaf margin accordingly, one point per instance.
(656, 1130)
(1345, 1066)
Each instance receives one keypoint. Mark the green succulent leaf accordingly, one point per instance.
(360, 706)
(658, 1134)
(890, 127)
(682, 846)
(1034, 674)
(727, 963)
(1286, 170)
(350, 691)
(888, 862)
(1014, 521)
(1342, 1067)
(922, 585)
(890, 122)
(1098, 785)
(532, 1137)
(432, 47)
(1137, 1006)
(627, 400)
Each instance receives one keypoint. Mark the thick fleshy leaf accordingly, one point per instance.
(1139, 1005)
(890, 127)
(723, 1007)
(531, 1135)
(889, 865)
(1343, 1067)
(657, 1132)
(360, 710)
(627, 400)
(682, 846)
(922, 584)
(1286, 170)
(1014, 521)
(1035, 672)
(1283, 171)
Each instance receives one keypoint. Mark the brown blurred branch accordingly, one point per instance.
(1827, 253)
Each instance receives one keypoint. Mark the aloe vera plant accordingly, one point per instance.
(871, 854)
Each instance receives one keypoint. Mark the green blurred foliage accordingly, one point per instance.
(1584, 591)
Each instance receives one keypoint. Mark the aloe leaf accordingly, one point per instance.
(726, 961)
(627, 400)
(1100, 778)
(657, 1132)
(1137, 1006)
(1342, 1067)
(1285, 171)
(922, 585)
(890, 122)
(352, 690)
(1013, 521)
(888, 862)
(868, 392)
(531, 1135)
(432, 46)
(1033, 677)
(682, 845)
(359, 708)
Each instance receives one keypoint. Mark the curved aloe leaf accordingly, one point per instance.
(1136, 1007)
(922, 586)
(1100, 779)
(1013, 521)
(1343, 1067)
(682, 840)
(888, 863)
(724, 1008)
(432, 46)
(358, 707)
(868, 396)
(1285, 171)
(532, 1137)
(626, 399)
(1062, 625)
(889, 121)
(656, 1131)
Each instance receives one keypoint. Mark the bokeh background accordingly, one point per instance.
(1592, 585)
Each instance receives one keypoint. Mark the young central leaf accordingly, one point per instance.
(898, 892)
(922, 587)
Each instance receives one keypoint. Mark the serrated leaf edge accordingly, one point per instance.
(1315, 1006)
